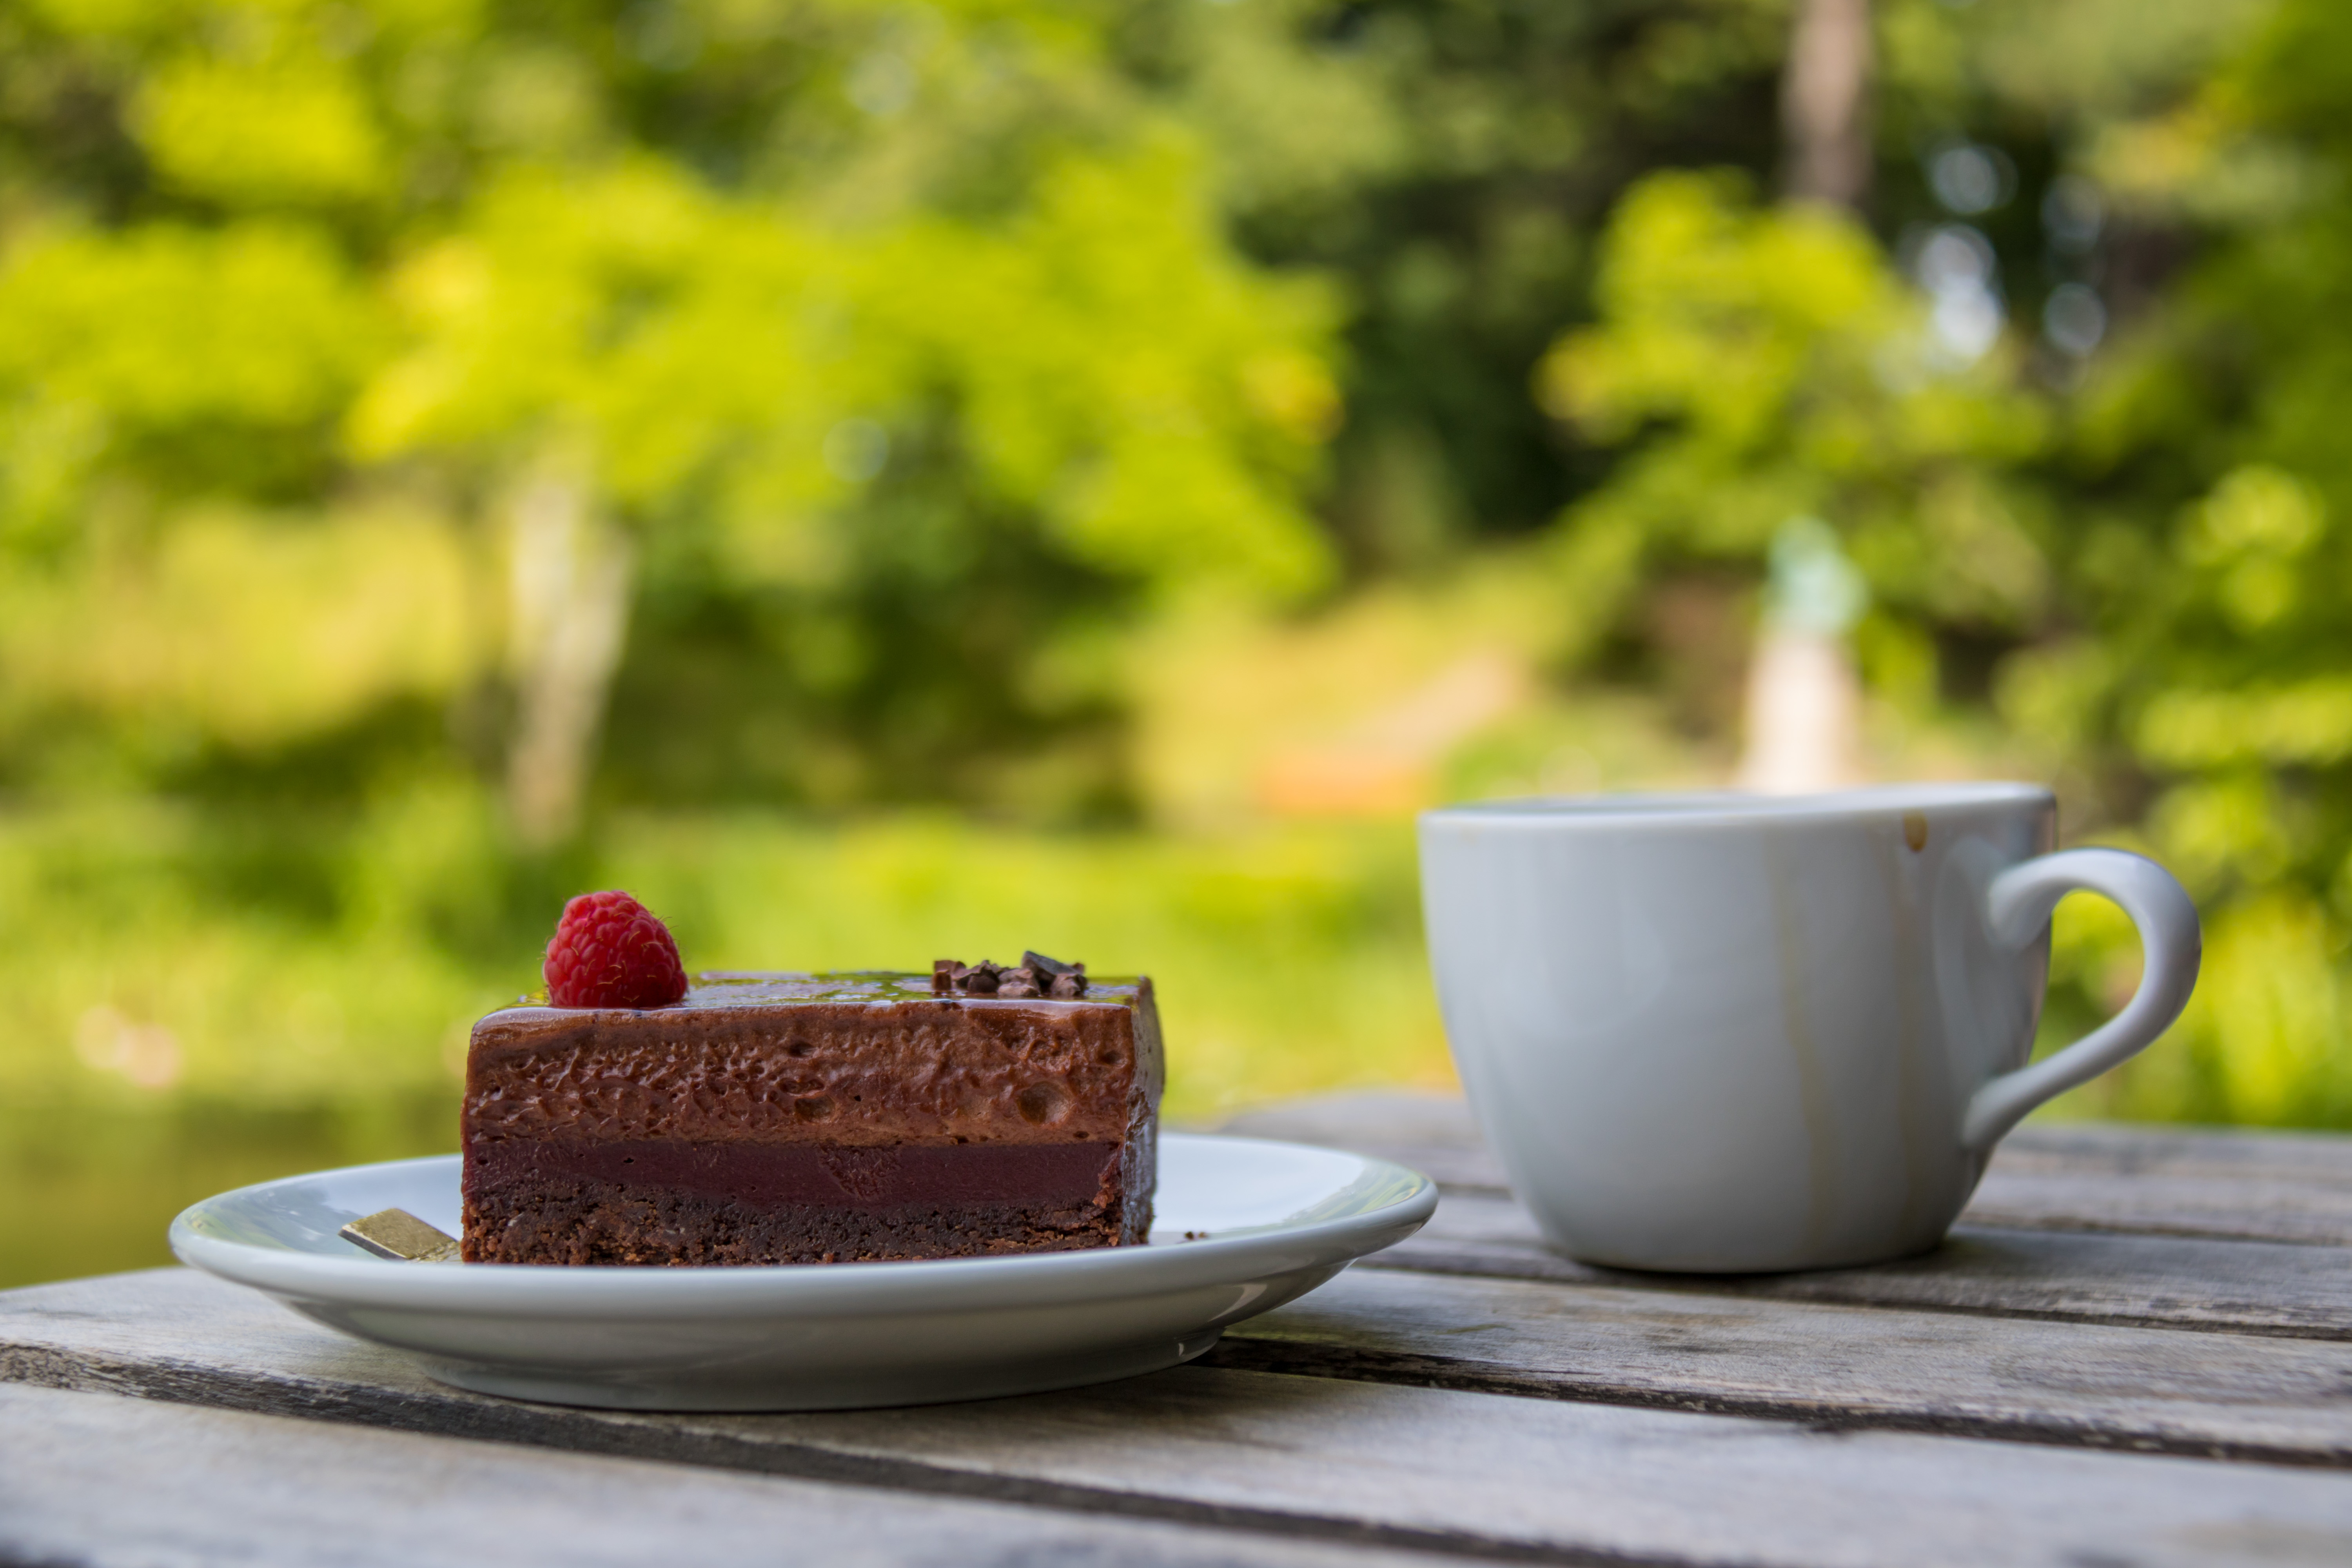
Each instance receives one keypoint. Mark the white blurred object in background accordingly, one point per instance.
(1803, 728)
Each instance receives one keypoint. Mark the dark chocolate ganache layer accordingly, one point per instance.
(768, 1174)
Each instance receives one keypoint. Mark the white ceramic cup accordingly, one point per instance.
(1722, 1033)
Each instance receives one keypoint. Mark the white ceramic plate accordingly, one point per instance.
(1277, 1219)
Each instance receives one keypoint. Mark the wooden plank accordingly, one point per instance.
(2268, 1186)
(2147, 1390)
(2249, 1287)
(2072, 1176)
(1313, 1458)
(90, 1479)
(2324, 1159)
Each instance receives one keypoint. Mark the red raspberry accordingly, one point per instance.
(610, 950)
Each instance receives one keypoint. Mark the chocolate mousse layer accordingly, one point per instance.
(668, 1201)
(789, 1118)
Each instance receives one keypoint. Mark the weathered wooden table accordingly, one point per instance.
(2137, 1349)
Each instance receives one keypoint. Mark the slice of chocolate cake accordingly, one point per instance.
(776, 1117)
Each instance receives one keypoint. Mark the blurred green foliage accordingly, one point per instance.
(834, 308)
(885, 479)
(2121, 542)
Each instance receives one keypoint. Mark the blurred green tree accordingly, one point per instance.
(1778, 365)
(2120, 532)
(1446, 162)
(2202, 682)
(788, 321)
(409, 405)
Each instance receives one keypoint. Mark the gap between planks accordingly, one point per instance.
(669, 1441)
(2143, 1281)
(2253, 1398)
(229, 1486)
(1349, 1462)
(2200, 1183)
(1824, 1365)
(2227, 1231)
(350, 1383)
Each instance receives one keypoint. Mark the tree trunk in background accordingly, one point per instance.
(571, 576)
(1824, 110)
(1802, 728)
(1803, 715)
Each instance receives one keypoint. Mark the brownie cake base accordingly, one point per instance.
(614, 1222)
(667, 1201)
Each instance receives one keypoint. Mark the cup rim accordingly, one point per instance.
(1698, 807)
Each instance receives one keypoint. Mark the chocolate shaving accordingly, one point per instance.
(1036, 976)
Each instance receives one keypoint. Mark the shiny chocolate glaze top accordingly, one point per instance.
(847, 1060)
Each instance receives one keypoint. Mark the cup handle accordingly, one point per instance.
(2018, 905)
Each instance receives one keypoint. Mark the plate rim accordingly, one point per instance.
(903, 1286)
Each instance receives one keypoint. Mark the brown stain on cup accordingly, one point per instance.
(1815, 1104)
(1915, 830)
